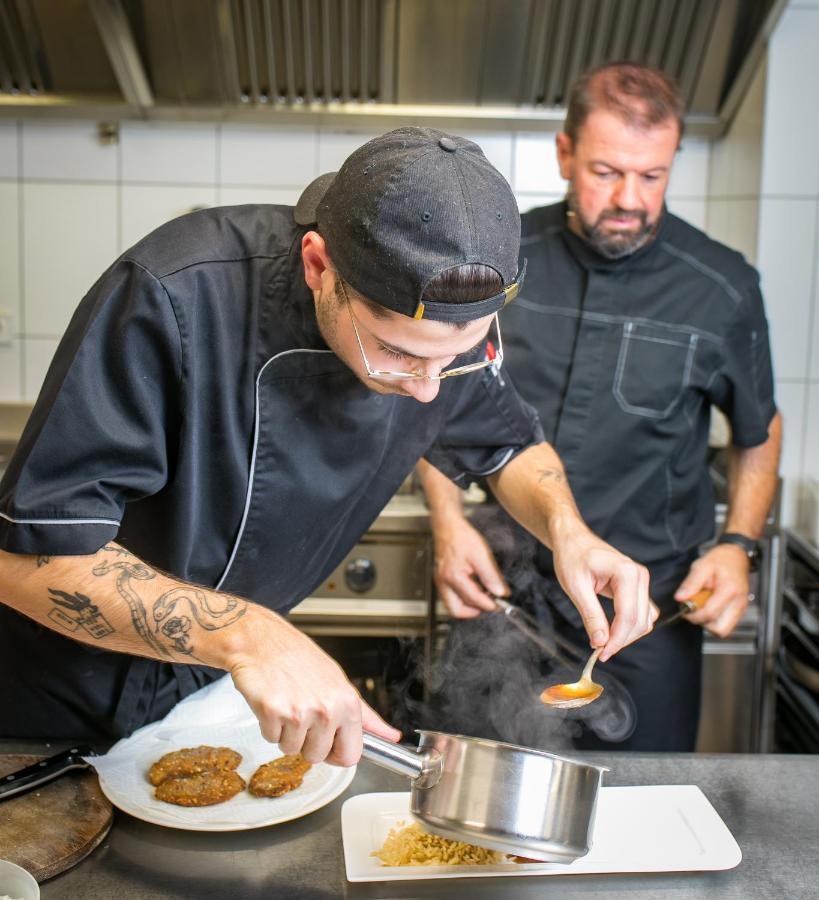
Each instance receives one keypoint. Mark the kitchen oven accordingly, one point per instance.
(737, 694)
(796, 666)
(373, 612)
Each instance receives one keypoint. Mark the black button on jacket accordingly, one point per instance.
(623, 360)
(194, 413)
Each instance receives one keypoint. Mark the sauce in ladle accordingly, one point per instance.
(576, 693)
(579, 693)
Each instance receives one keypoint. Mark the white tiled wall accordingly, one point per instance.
(168, 154)
(10, 251)
(66, 151)
(281, 157)
(787, 248)
(789, 242)
(9, 157)
(70, 204)
(736, 160)
(790, 159)
(69, 238)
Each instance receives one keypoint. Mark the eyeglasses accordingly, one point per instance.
(493, 357)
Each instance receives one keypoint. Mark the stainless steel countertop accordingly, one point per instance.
(768, 802)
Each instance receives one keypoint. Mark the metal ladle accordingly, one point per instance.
(576, 693)
(579, 693)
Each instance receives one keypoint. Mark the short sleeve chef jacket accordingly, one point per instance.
(194, 413)
(623, 359)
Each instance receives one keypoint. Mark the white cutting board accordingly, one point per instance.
(658, 828)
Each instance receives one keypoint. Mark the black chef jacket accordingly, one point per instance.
(194, 413)
(622, 360)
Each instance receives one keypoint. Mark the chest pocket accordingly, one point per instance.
(653, 369)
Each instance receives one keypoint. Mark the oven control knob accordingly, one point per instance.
(360, 574)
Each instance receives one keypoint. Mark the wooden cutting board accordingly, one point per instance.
(53, 827)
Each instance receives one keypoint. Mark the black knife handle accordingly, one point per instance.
(43, 771)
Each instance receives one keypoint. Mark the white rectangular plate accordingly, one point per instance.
(662, 828)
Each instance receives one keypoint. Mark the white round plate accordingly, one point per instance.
(135, 796)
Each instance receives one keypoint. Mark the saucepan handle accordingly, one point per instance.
(43, 771)
(424, 768)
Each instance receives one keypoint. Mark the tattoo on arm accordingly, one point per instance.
(176, 626)
(171, 630)
(118, 551)
(43, 561)
(129, 571)
(78, 612)
(551, 475)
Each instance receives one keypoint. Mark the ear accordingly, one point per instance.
(315, 259)
(565, 155)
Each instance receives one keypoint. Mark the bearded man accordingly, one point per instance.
(631, 326)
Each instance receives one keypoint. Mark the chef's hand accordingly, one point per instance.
(587, 566)
(724, 570)
(301, 697)
(466, 574)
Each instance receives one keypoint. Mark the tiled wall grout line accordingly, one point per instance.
(21, 270)
(814, 292)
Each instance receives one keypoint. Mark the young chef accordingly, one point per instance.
(632, 324)
(233, 403)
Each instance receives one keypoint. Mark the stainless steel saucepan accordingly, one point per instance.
(501, 796)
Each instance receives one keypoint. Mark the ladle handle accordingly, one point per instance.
(587, 669)
(424, 768)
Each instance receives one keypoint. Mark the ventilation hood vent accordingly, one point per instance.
(498, 61)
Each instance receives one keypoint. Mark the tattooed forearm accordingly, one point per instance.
(111, 599)
(118, 551)
(78, 612)
(139, 618)
(176, 626)
(176, 614)
(551, 475)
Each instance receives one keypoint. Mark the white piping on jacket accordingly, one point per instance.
(58, 521)
(499, 466)
(249, 493)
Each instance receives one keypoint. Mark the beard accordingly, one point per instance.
(613, 244)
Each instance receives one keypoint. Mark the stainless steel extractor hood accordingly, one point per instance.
(499, 62)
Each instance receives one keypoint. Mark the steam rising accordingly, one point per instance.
(488, 679)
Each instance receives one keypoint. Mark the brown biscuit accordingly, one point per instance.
(295, 763)
(193, 761)
(200, 790)
(279, 777)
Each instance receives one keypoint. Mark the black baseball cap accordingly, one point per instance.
(407, 206)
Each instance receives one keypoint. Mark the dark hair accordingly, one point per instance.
(459, 284)
(642, 96)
